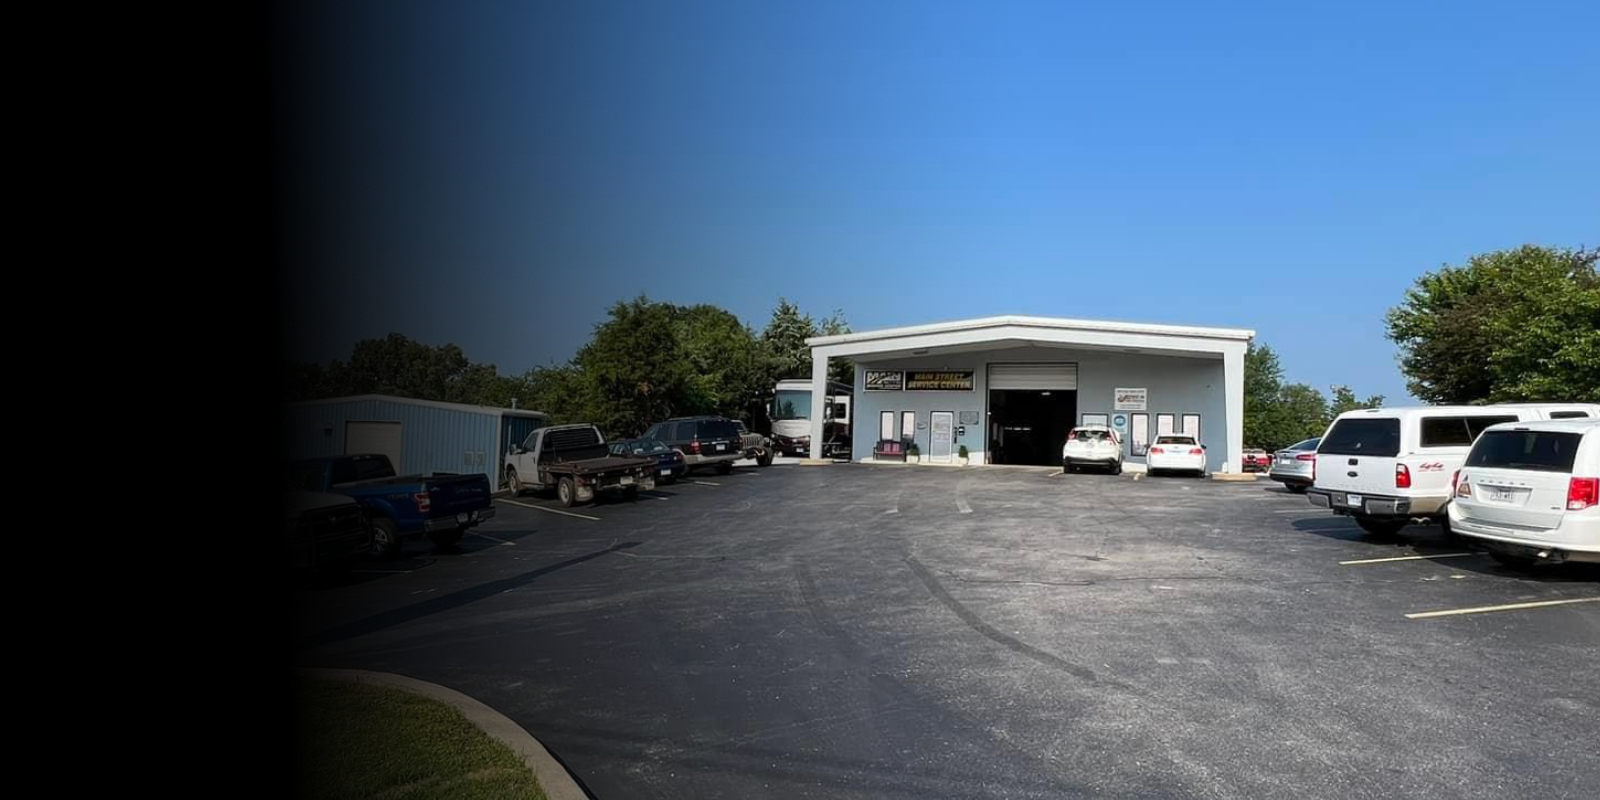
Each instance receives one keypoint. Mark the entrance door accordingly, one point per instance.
(944, 424)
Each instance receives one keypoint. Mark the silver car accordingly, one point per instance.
(1295, 466)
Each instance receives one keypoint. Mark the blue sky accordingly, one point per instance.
(497, 174)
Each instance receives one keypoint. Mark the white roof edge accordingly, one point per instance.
(516, 412)
(1239, 334)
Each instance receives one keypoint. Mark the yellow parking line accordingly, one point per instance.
(1510, 607)
(551, 510)
(1404, 558)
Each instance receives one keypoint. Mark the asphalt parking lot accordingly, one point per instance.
(853, 631)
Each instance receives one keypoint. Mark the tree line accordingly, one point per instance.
(1512, 325)
(647, 361)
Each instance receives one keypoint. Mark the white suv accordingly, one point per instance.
(1095, 445)
(1389, 466)
(1530, 492)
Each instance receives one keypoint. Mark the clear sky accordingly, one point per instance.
(497, 174)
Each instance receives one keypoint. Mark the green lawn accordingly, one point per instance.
(358, 741)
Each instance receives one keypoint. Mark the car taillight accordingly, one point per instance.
(1312, 457)
(1402, 477)
(1156, 451)
(1583, 493)
(1458, 488)
(422, 500)
(694, 446)
(1195, 451)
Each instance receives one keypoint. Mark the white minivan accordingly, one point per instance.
(1389, 466)
(1530, 492)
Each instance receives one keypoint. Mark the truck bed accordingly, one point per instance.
(594, 466)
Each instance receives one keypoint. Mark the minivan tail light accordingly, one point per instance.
(1583, 493)
(1458, 488)
(694, 446)
(1402, 476)
(423, 501)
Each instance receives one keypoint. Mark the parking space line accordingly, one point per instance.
(961, 505)
(1509, 607)
(493, 538)
(1404, 558)
(551, 510)
(702, 483)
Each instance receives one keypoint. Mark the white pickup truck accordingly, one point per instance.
(574, 460)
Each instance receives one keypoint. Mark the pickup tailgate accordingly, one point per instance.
(613, 466)
(453, 495)
(1359, 455)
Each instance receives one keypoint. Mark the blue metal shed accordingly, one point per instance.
(419, 436)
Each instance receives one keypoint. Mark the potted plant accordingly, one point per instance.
(913, 453)
(962, 454)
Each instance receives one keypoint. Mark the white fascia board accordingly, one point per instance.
(515, 412)
(1037, 323)
(1013, 334)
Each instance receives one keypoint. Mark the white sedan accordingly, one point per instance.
(1176, 453)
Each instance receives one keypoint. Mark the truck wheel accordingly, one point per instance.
(630, 494)
(724, 468)
(1380, 527)
(765, 459)
(514, 481)
(567, 492)
(385, 539)
(446, 540)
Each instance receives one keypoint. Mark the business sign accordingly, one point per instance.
(1130, 399)
(885, 380)
(1120, 422)
(948, 381)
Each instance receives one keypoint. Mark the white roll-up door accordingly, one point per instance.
(374, 437)
(1041, 377)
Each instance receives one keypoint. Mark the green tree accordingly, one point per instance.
(1521, 324)
(784, 342)
(1345, 400)
(1263, 382)
(725, 367)
(635, 368)
(1300, 414)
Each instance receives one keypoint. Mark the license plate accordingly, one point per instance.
(1285, 460)
(666, 472)
(1499, 495)
(721, 447)
(627, 480)
(463, 518)
(1353, 500)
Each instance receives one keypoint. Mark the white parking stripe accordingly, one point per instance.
(551, 510)
(702, 483)
(961, 505)
(492, 538)
(1509, 607)
(1405, 558)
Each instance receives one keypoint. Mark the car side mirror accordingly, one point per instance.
(1202, 447)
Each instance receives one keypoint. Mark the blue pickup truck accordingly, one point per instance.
(440, 506)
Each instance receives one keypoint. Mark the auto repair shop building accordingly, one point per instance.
(1010, 388)
(418, 436)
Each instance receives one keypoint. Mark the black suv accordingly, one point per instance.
(704, 441)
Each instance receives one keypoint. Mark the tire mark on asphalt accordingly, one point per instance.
(994, 634)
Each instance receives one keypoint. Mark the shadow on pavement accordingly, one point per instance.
(400, 616)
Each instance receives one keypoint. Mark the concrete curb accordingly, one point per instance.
(557, 783)
(1233, 476)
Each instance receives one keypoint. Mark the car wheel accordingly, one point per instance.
(1116, 469)
(514, 482)
(567, 492)
(1449, 532)
(765, 459)
(1380, 527)
(1512, 560)
(724, 468)
(385, 539)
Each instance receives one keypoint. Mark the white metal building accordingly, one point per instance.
(1009, 388)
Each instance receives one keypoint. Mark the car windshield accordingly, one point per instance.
(1309, 444)
(1361, 436)
(1174, 440)
(1539, 451)
(1091, 436)
(792, 404)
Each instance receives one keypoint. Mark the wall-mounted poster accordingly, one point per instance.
(1130, 399)
(969, 418)
(884, 380)
(945, 381)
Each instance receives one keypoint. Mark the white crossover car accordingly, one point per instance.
(1530, 492)
(1092, 445)
(1176, 452)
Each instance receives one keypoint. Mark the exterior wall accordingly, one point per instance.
(1177, 385)
(431, 439)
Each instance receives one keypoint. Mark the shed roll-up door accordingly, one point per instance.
(374, 437)
(1043, 377)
